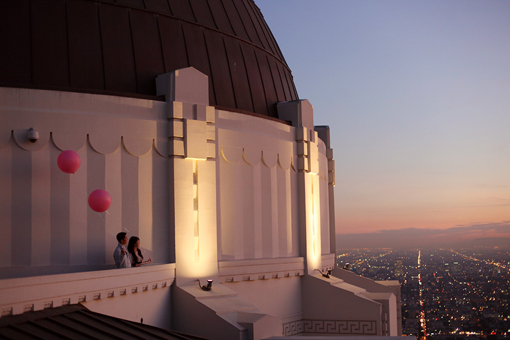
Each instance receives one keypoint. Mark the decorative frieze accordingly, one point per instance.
(330, 327)
(239, 278)
(253, 156)
(263, 269)
(344, 327)
(293, 328)
(65, 289)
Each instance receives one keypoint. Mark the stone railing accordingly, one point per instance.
(262, 269)
(36, 293)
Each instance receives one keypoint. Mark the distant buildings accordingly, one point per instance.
(462, 295)
(399, 267)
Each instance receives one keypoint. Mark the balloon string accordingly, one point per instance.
(107, 212)
(100, 216)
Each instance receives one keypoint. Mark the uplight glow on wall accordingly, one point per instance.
(195, 212)
(313, 233)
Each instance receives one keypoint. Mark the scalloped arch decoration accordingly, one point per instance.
(232, 158)
(68, 141)
(280, 163)
(162, 152)
(137, 146)
(269, 162)
(245, 160)
(104, 144)
(229, 154)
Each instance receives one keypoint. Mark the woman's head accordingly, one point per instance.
(133, 242)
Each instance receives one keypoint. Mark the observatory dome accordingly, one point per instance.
(118, 47)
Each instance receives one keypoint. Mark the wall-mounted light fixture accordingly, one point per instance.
(206, 287)
(32, 135)
(325, 274)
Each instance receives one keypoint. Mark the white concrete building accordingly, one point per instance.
(218, 169)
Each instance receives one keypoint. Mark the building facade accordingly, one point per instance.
(185, 112)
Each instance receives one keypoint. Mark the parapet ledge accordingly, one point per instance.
(240, 314)
(378, 296)
(341, 284)
(36, 293)
(260, 269)
(351, 288)
(218, 291)
(389, 283)
(220, 299)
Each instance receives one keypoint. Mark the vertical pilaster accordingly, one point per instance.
(323, 132)
(192, 174)
(300, 113)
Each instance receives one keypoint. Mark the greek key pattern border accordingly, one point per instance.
(358, 327)
(365, 327)
(293, 328)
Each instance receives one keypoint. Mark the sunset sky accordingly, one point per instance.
(417, 96)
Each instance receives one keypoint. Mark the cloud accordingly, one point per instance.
(421, 237)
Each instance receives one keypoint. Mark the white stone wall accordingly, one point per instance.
(237, 198)
(257, 188)
(122, 143)
(44, 212)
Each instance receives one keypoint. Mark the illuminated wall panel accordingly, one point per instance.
(257, 183)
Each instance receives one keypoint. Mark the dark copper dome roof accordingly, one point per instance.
(120, 46)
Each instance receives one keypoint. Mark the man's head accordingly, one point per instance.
(122, 238)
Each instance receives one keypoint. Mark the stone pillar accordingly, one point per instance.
(300, 113)
(323, 132)
(192, 171)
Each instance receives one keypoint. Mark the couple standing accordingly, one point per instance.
(130, 257)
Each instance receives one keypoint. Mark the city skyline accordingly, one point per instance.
(416, 95)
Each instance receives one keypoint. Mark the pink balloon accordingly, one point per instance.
(99, 200)
(68, 161)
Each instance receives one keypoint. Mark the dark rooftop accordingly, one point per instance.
(77, 322)
(118, 47)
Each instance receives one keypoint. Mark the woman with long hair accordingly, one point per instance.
(136, 252)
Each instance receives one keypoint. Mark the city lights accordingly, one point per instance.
(446, 293)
